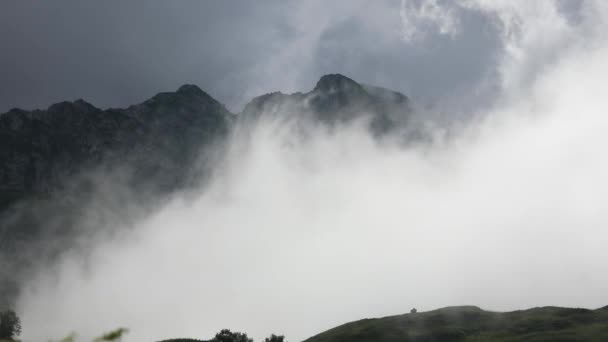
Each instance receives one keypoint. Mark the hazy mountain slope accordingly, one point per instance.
(41, 148)
(59, 164)
(55, 163)
(335, 99)
(473, 324)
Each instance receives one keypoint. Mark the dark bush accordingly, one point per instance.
(10, 325)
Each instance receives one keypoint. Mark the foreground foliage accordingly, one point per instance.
(114, 335)
(226, 335)
(10, 325)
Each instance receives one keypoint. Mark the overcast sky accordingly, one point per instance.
(297, 236)
(116, 53)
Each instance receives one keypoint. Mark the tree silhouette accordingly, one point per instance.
(10, 325)
(275, 338)
(228, 336)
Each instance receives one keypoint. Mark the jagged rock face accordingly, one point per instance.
(179, 125)
(335, 99)
(158, 138)
(39, 148)
(54, 162)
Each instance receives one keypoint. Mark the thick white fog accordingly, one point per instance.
(295, 237)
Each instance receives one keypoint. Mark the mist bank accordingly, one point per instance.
(307, 223)
(74, 172)
(301, 232)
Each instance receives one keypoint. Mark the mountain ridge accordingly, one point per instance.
(167, 143)
(335, 99)
(81, 132)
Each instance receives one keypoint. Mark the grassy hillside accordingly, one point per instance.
(469, 323)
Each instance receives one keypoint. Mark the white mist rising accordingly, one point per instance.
(296, 238)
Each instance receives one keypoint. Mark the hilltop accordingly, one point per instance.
(470, 323)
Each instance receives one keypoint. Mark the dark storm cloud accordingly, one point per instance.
(440, 68)
(115, 53)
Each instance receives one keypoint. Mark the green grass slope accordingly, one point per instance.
(469, 323)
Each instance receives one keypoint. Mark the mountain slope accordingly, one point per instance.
(159, 138)
(57, 164)
(40, 149)
(469, 323)
(335, 99)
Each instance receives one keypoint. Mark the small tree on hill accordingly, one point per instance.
(228, 336)
(275, 338)
(10, 325)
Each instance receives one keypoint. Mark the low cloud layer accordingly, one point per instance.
(296, 236)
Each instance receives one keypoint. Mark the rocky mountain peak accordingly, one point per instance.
(336, 82)
(190, 90)
(335, 99)
(78, 106)
(158, 146)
